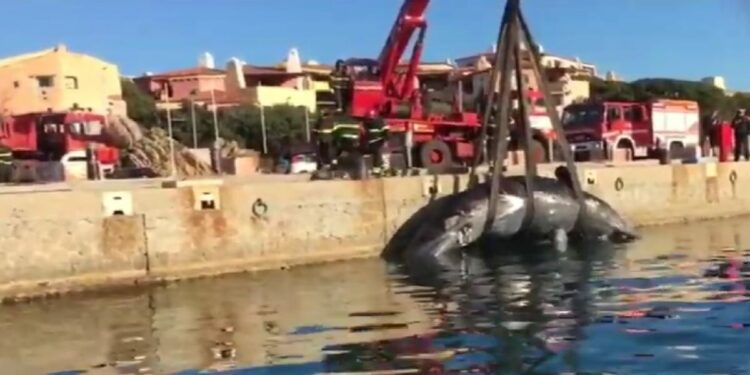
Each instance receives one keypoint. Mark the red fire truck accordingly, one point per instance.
(659, 128)
(52, 136)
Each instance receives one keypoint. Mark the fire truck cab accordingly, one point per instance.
(656, 129)
(58, 137)
(49, 136)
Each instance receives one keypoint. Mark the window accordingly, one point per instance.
(71, 83)
(94, 127)
(45, 81)
(613, 114)
(629, 114)
(76, 128)
(52, 129)
(638, 115)
(468, 86)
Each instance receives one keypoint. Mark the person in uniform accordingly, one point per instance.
(346, 135)
(376, 136)
(341, 84)
(710, 133)
(323, 132)
(741, 125)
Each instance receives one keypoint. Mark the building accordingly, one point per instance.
(716, 81)
(287, 83)
(576, 66)
(568, 78)
(474, 75)
(59, 80)
(176, 86)
(290, 83)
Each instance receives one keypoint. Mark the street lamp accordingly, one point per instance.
(263, 127)
(216, 118)
(172, 161)
(192, 117)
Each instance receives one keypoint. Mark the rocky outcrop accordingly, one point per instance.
(123, 132)
(152, 152)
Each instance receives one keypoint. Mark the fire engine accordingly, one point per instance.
(54, 136)
(391, 89)
(659, 128)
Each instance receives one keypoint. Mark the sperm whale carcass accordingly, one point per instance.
(435, 234)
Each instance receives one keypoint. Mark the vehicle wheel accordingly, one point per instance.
(436, 156)
(676, 151)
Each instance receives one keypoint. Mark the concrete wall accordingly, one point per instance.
(61, 240)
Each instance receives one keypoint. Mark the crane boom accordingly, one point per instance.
(411, 18)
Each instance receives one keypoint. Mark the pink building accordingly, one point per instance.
(182, 84)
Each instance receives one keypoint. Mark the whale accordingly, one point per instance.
(436, 234)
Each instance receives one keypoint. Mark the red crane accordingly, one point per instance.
(410, 19)
(390, 88)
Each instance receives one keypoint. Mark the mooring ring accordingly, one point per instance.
(260, 208)
(733, 177)
(619, 184)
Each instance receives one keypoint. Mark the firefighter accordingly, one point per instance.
(710, 133)
(741, 125)
(346, 136)
(324, 139)
(341, 82)
(376, 136)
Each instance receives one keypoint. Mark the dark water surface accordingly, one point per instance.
(673, 303)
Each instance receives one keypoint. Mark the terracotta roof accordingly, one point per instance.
(198, 71)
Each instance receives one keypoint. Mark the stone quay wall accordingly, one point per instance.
(78, 239)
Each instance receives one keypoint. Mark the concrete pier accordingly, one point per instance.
(61, 238)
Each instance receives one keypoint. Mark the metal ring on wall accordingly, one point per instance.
(619, 184)
(260, 208)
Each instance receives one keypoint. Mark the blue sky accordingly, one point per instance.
(685, 39)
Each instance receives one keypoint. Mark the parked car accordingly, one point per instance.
(303, 163)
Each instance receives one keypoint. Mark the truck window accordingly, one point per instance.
(76, 128)
(638, 114)
(613, 113)
(94, 127)
(628, 114)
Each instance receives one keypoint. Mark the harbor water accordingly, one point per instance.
(674, 302)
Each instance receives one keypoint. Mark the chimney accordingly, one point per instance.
(206, 60)
(235, 75)
(293, 63)
(61, 48)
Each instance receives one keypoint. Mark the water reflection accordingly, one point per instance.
(674, 302)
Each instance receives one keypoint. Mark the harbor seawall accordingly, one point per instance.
(58, 241)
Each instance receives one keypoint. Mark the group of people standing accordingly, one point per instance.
(337, 132)
(740, 126)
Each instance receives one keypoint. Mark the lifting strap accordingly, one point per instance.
(560, 137)
(501, 120)
(525, 124)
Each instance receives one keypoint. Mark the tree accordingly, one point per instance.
(140, 106)
(709, 98)
(284, 125)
